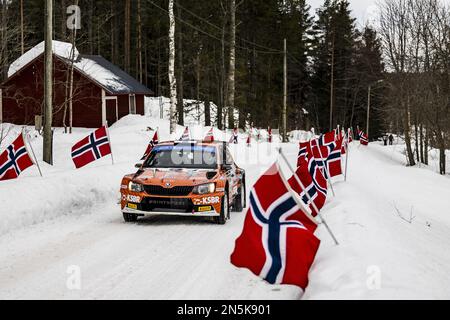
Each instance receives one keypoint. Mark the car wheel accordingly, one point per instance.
(129, 217)
(225, 210)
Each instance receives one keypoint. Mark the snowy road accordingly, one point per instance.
(156, 258)
(380, 256)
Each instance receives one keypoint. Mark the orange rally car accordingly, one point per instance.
(193, 178)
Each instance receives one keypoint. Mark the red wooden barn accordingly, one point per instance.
(101, 91)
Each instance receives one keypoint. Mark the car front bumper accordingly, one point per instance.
(211, 213)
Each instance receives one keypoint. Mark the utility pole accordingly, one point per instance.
(368, 110)
(332, 85)
(22, 45)
(284, 112)
(48, 94)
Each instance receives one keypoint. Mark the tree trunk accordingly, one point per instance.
(90, 27)
(425, 156)
(407, 128)
(207, 112)
(232, 65)
(180, 93)
(421, 142)
(172, 79)
(139, 40)
(441, 141)
(416, 142)
(127, 59)
(22, 43)
(48, 83)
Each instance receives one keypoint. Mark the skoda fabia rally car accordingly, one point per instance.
(192, 178)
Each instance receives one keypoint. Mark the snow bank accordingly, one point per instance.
(64, 190)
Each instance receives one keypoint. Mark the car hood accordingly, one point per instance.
(174, 177)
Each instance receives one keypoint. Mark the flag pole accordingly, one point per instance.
(347, 154)
(324, 163)
(34, 155)
(109, 140)
(297, 178)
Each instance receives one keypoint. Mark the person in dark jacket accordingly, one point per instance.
(391, 139)
(385, 139)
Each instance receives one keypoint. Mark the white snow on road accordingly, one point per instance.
(70, 220)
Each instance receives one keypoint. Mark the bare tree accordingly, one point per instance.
(172, 79)
(394, 28)
(231, 66)
(416, 36)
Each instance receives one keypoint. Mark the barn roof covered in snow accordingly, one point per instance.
(107, 75)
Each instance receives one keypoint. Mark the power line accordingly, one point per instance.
(268, 51)
(211, 35)
(218, 28)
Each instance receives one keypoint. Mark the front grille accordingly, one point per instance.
(161, 191)
(152, 203)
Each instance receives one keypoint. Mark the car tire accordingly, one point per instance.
(130, 217)
(224, 211)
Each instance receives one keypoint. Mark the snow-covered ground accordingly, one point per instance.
(70, 221)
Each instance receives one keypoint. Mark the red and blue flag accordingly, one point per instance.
(277, 242)
(91, 148)
(14, 159)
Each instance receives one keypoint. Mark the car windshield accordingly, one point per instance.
(182, 156)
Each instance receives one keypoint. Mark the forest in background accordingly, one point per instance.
(133, 34)
(334, 68)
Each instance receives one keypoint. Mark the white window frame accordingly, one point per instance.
(132, 97)
(117, 105)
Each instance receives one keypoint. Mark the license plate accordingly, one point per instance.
(132, 206)
(203, 209)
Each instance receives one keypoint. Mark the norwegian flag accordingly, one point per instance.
(249, 139)
(322, 147)
(358, 133)
(304, 151)
(93, 147)
(151, 145)
(334, 160)
(277, 242)
(315, 189)
(364, 139)
(14, 159)
(186, 135)
(209, 135)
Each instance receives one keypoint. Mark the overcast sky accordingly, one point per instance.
(362, 10)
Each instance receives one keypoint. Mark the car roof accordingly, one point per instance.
(195, 142)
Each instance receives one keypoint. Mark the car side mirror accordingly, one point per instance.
(227, 167)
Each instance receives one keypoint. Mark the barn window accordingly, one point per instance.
(132, 104)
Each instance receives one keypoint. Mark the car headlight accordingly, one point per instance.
(135, 187)
(205, 188)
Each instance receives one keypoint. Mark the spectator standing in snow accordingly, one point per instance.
(385, 139)
(391, 139)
